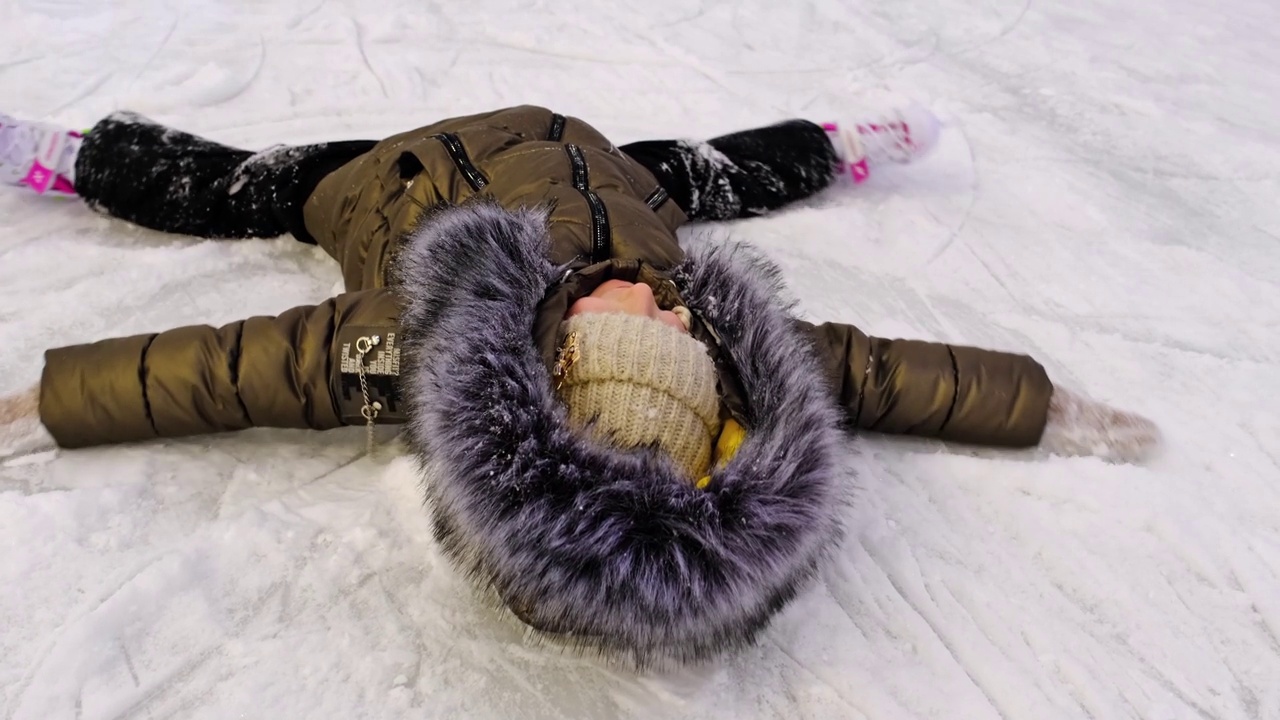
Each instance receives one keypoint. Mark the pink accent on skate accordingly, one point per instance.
(873, 128)
(860, 171)
(857, 169)
(44, 168)
(39, 178)
(63, 186)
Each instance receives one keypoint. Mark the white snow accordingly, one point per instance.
(1104, 197)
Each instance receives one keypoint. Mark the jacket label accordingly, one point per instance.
(381, 373)
(384, 359)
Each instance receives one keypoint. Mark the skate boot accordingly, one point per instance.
(901, 135)
(39, 156)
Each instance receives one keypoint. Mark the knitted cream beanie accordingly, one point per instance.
(642, 382)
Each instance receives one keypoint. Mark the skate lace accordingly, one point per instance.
(887, 137)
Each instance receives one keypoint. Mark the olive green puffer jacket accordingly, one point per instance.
(608, 219)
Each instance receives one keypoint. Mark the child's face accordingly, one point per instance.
(620, 296)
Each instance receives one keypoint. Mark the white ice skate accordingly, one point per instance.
(39, 156)
(901, 135)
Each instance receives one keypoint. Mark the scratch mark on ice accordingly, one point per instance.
(173, 26)
(83, 93)
(1004, 33)
(801, 666)
(294, 23)
(364, 57)
(128, 663)
(947, 644)
(968, 211)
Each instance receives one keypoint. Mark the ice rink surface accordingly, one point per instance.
(1103, 198)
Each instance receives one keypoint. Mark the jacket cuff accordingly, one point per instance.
(1002, 399)
(93, 394)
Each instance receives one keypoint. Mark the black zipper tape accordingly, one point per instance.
(656, 198)
(601, 235)
(557, 128)
(470, 173)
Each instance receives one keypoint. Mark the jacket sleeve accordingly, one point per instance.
(951, 392)
(285, 371)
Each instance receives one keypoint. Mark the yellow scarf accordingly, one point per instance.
(732, 435)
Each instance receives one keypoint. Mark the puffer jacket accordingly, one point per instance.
(607, 218)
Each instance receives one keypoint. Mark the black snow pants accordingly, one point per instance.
(169, 180)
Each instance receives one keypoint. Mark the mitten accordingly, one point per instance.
(21, 432)
(1077, 425)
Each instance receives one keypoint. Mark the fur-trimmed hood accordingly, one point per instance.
(612, 548)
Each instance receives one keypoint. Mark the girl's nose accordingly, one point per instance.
(640, 298)
(643, 290)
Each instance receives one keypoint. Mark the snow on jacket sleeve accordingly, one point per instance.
(951, 392)
(283, 371)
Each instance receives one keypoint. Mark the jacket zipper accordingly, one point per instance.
(601, 236)
(656, 198)
(470, 173)
(557, 128)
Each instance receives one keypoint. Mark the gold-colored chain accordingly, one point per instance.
(369, 410)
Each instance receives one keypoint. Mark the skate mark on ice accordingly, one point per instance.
(517, 675)
(1005, 32)
(840, 604)
(179, 677)
(364, 57)
(899, 60)
(992, 273)
(695, 64)
(405, 620)
(1172, 688)
(357, 458)
(176, 677)
(946, 643)
(226, 89)
(295, 22)
(262, 61)
(62, 667)
(155, 53)
(1252, 706)
(20, 61)
(518, 46)
(128, 663)
(1268, 617)
(681, 20)
(1120, 165)
(85, 91)
(848, 702)
(968, 211)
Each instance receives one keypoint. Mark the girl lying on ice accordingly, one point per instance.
(633, 442)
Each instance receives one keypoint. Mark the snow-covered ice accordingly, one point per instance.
(1104, 197)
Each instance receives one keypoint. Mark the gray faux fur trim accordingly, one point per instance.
(612, 547)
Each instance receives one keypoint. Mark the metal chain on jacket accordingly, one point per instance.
(365, 345)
